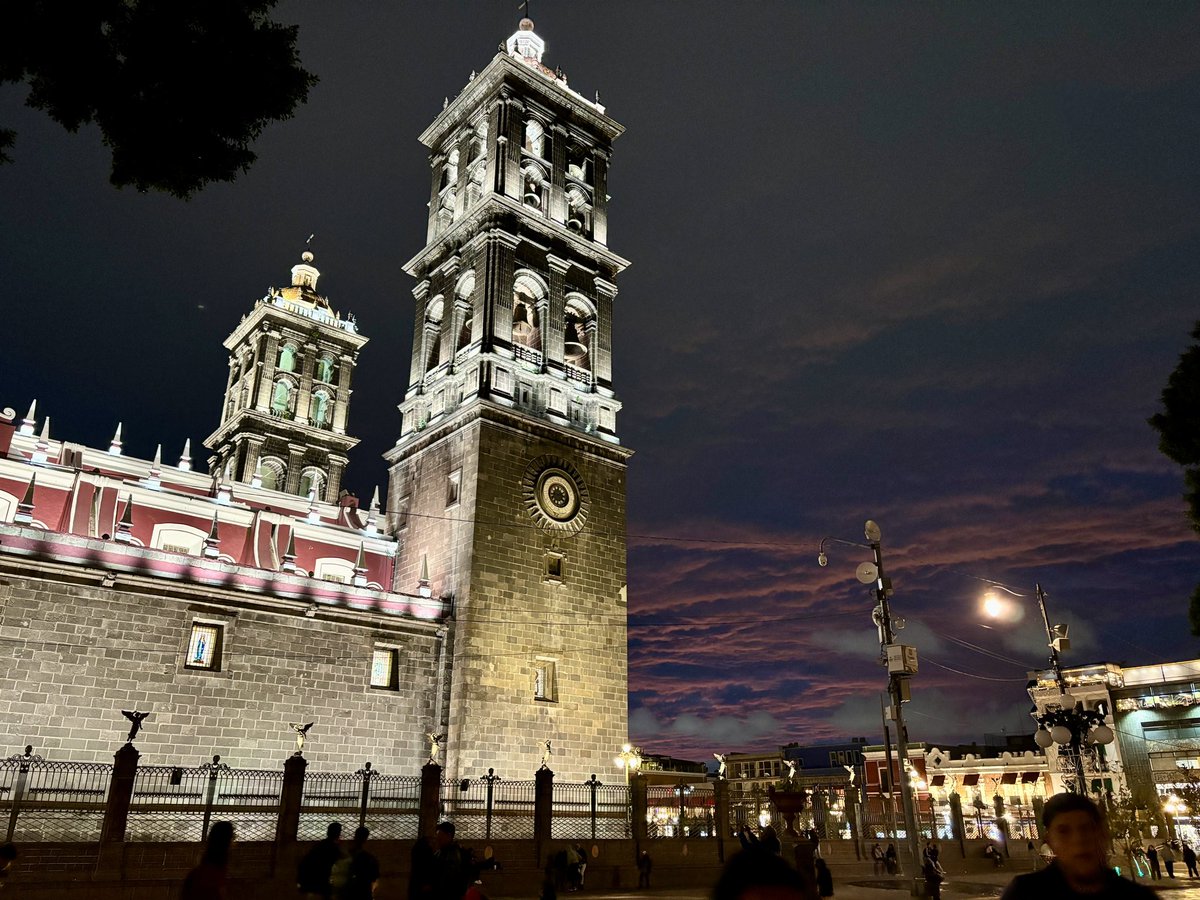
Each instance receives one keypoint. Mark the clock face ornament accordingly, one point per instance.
(554, 493)
(557, 495)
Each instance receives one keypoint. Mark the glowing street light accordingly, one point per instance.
(1069, 724)
(629, 759)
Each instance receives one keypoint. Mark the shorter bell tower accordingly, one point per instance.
(287, 399)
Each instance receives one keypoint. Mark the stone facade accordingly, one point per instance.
(79, 653)
(507, 484)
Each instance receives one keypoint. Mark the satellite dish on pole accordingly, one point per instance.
(866, 572)
(872, 531)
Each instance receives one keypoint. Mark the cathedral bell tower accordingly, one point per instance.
(507, 484)
(283, 422)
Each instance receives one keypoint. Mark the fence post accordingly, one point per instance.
(721, 815)
(287, 826)
(491, 778)
(120, 794)
(431, 790)
(210, 795)
(593, 783)
(637, 803)
(543, 808)
(956, 823)
(365, 773)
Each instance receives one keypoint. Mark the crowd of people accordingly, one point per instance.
(1075, 830)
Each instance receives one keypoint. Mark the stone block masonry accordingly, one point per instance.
(75, 655)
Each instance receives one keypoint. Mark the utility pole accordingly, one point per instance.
(901, 663)
(898, 664)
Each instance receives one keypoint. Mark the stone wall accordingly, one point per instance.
(76, 654)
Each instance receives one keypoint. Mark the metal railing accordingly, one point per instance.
(591, 810)
(53, 801)
(489, 807)
(173, 803)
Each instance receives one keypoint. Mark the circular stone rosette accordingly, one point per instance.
(555, 495)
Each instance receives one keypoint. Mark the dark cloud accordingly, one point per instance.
(928, 264)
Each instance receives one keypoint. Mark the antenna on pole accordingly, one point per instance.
(309, 241)
(524, 7)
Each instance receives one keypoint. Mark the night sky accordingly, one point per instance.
(929, 264)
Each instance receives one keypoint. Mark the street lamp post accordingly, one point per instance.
(900, 661)
(1068, 724)
(629, 759)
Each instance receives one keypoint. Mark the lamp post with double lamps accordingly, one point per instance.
(900, 660)
(1064, 721)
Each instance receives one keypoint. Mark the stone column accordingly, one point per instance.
(721, 816)
(417, 364)
(341, 406)
(437, 162)
(266, 371)
(295, 464)
(288, 823)
(957, 824)
(120, 794)
(430, 803)
(606, 292)
(553, 323)
(253, 452)
(498, 266)
(600, 198)
(333, 485)
(637, 801)
(304, 398)
(558, 173)
(543, 809)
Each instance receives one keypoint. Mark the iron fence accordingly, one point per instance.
(173, 803)
(53, 801)
(489, 807)
(590, 811)
(682, 810)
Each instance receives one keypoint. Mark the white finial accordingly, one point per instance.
(157, 464)
(256, 478)
(42, 447)
(185, 458)
(314, 515)
(29, 423)
(45, 435)
(525, 44)
(423, 587)
(152, 480)
(114, 446)
(375, 500)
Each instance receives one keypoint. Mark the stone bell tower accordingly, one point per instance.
(283, 421)
(507, 484)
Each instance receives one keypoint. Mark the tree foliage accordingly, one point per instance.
(1178, 427)
(178, 88)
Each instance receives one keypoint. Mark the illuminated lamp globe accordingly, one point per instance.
(1102, 734)
(1061, 734)
(1042, 738)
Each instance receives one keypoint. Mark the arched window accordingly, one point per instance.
(325, 366)
(320, 410)
(281, 397)
(528, 294)
(274, 474)
(287, 358)
(312, 480)
(535, 137)
(433, 335)
(578, 325)
(463, 294)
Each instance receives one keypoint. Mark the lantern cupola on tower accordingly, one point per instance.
(283, 421)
